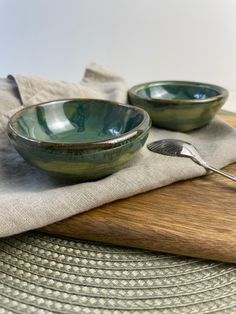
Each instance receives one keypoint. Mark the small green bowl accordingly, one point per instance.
(84, 139)
(178, 105)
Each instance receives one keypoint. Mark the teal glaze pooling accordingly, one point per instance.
(177, 91)
(83, 139)
(183, 91)
(77, 122)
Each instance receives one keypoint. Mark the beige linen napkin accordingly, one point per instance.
(30, 198)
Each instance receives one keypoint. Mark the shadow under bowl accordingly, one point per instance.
(83, 139)
(179, 105)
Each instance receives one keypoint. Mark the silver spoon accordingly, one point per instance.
(178, 148)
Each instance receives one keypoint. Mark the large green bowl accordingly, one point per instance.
(84, 139)
(178, 105)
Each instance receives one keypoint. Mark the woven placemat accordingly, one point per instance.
(44, 274)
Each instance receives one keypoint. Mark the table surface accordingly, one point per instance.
(194, 218)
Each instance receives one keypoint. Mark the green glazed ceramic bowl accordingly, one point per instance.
(178, 105)
(84, 139)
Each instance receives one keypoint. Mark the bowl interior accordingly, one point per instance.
(77, 121)
(177, 91)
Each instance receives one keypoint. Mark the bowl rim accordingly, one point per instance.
(144, 125)
(223, 92)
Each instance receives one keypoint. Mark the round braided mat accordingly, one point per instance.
(45, 274)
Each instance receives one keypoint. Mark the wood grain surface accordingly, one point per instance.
(194, 218)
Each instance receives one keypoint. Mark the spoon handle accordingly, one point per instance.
(229, 176)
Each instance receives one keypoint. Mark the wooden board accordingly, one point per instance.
(193, 218)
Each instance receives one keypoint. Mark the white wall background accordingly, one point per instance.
(142, 40)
